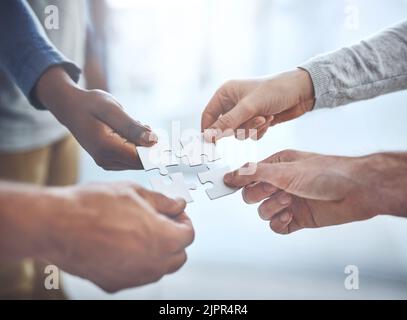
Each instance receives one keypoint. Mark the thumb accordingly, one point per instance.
(230, 121)
(297, 178)
(277, 174)
(112, 114)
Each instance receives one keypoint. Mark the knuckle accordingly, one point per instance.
(181, 262)
(100, 161)
(191, 237)
(286, 155)
(247, 106)
(229, 84)
(110, 288)
(157, 273)
(171, 245)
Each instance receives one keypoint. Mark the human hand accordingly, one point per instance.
(96, 120)
(307, 190)
(257, 104)
(116, 235)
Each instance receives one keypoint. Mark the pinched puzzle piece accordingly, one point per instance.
(178, 188)
(194, 148)
(219, 188)
(159, 156)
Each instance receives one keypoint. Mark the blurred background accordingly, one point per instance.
(166, 58)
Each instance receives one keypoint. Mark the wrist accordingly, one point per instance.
(58, 92)
(25, 214)
(388, 177)
(305, 85)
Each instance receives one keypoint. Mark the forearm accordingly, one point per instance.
(375, 66)
(58, 92)
(25, 51)
(384, 176)
(24, 221)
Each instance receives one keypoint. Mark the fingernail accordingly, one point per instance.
(209, 135)
(261, 214)
(149, 137)
(260, 121)
(285, 217)
(284, 198)
(180, 200)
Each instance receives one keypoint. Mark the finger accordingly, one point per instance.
(289, 156)
(280, 175)
(112, 114)
(292, 113)
(238, 178)
(163, 204)
(233, 119)
(178, 233)
(243, 176)
(260, 133)
(220, 103)
(250, 128)
(115, 153)
(258, 192)
(176, 262)
(280, 223)
(275, 204)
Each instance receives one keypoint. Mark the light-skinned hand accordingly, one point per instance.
(257, 104)
(305, 190)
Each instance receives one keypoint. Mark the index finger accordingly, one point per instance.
(220, 103)
(163, 204)
(213, 111)
(112, 114)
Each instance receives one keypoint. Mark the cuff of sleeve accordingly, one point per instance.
(321, 82)
(42, 61)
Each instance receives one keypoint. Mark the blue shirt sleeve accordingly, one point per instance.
(25, 51)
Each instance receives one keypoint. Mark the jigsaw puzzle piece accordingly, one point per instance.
(177, 188)
(219, 188)
(195, 147)
(159, 156)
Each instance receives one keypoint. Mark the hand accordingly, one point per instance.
(116, 235)
(96, 119)
(257, 104)
(307, 190)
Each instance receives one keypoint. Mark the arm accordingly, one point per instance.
(95, 118)
(306, 190)
(116, 235)
(25, 52)
(373, 67)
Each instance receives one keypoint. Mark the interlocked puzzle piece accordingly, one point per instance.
(195, 148)
(219, 188)
(178, 188)
(159, 156)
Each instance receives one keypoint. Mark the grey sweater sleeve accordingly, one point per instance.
(375, 66)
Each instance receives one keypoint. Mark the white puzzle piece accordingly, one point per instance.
(195, 147)
(177, 188)
(159, 156)
(219, 188)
